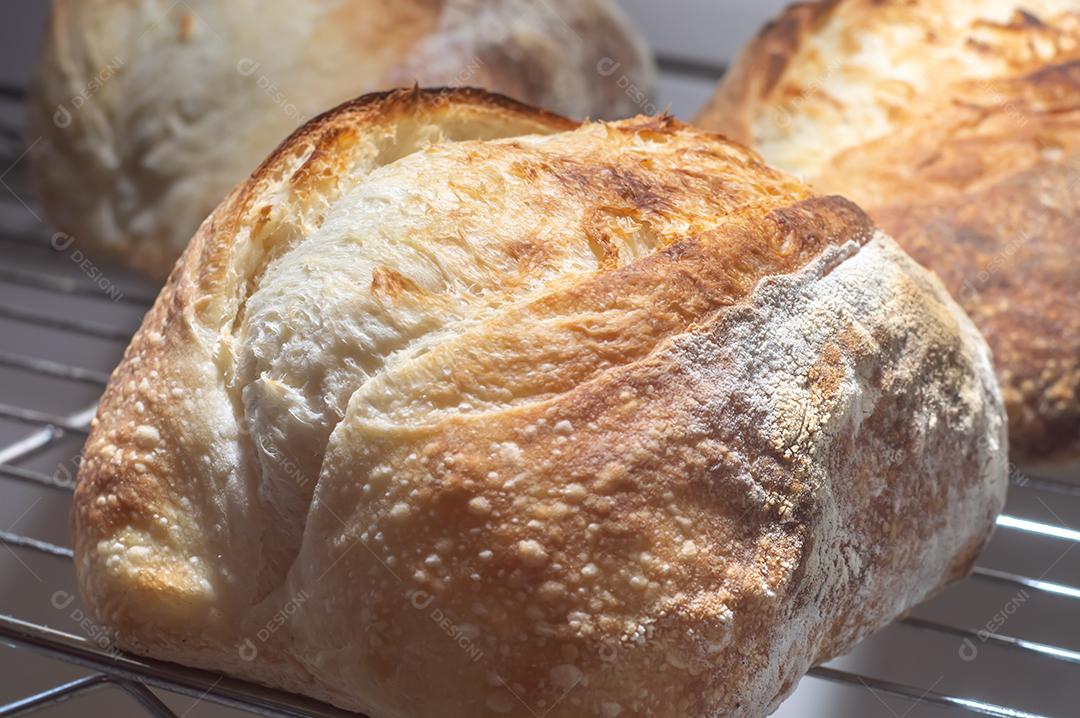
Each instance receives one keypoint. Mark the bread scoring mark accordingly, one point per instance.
(326, 161)
(636, 189)
(616, 243)
(630, 208)
(606, 320)
(638, 512)
(286, 200)
(624, 488)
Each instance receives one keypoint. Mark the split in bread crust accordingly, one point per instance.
(459, 408)
(956, 125)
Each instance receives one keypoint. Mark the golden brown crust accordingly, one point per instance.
(117, 494)
(758, 70)
(1007, 253)
(457, 406)
(969, 162)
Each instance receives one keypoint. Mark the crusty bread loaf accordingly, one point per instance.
(459, 409)
(956, 125)
(145, 113)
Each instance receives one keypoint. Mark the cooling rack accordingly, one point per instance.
(68, 303)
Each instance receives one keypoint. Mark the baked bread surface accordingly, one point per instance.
(145, 113)
(956, 125)
(457, 408)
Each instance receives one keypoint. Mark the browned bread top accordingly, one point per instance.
(957, 126)
(488, 413)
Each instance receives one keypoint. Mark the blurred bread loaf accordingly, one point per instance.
(146, 112)
(457, 408)
(956, 125)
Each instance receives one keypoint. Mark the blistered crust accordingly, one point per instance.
(457, 408)
(956, 125)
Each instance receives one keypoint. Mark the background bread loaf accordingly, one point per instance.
(956, 125)
(500, 414)
(150, 111)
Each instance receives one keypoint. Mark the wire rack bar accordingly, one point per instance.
(43, 437)
(75, 423)
(1011, 579)
(1037, 527)
(1042, 483)
(972, 706)
(52, 696)
(8, 538)
(74, 326)
(67, 285)
(711, 71)
(53, 369)
(38, 440)
(29, 444)
(35, 478)
(42, 419)
(146, 699)
(12, 93)
(201, 685)
(1040, 649)
(919, 696)
(24, 239)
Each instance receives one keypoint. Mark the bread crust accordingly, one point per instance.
(962, 140)
(143, 116)
(681, 431)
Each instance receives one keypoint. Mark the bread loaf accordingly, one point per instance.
(956, 125)
(145, 113)
(457, 408)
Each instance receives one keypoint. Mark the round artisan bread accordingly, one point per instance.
(145, 113)
(956, 125)
(457, 408)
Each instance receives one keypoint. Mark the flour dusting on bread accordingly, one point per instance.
(505, 413)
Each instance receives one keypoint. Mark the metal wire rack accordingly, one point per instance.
(78, 308)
